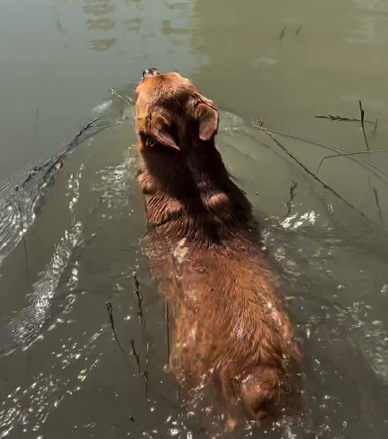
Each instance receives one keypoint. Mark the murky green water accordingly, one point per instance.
(62, 372)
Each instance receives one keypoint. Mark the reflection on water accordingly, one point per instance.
(30, 406)
(110, 18)
(100, 15)
(371, 24)
(63, 371)
(102, 45)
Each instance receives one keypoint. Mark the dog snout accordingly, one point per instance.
(152, 71)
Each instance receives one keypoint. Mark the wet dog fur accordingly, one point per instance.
(203, 245)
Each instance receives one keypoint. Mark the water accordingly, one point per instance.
(62, 372)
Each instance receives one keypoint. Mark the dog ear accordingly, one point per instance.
(207, 116)
(160, 131)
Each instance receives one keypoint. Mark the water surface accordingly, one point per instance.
(62, 371)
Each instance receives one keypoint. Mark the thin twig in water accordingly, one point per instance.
(292, 196)
(282, 34)
(50, 165)
(136, 355)
(362, 125)
(137, 358)
(376, 194)
(56, 162)
(298, 30)
(329, 188)
(376, 197)
(347, 155)
(86, 127)
(139, 303)
(340, 118)
(142, 433)
(127, 100)
(145, 373)
(112, 325)
(374, 132)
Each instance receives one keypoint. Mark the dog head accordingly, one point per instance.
(171, 112)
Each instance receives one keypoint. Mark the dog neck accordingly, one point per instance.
(189, 193)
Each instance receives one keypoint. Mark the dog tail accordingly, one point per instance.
(260, 393)
(268, 393)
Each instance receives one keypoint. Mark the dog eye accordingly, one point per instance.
(149, 142)
(146, 139)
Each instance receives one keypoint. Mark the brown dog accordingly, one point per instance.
(231, 327)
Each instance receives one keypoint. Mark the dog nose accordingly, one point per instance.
(150, 72)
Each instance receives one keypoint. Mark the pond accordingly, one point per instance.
(72, 349)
